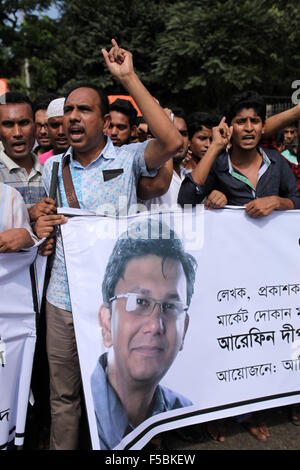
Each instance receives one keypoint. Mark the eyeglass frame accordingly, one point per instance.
(156, 302)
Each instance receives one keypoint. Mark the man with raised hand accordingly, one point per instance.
(101, 174)
(259, 179)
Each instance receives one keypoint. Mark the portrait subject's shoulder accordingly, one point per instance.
(174, 400)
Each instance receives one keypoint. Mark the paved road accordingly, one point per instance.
(284, 436)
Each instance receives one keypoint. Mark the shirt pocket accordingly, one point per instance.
(109, 175)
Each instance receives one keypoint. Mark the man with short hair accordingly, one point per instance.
(122, 126)
(19, 166)
(259, 179)
(40, 106)
(200, 126)
(290, 134)
(101, 176)
(147, 290)
(250, 176)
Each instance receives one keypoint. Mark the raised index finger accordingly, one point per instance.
(222, 121)
(114, 43)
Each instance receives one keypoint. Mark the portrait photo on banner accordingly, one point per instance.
(137, 296)
(171, 330)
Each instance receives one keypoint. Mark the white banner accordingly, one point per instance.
(241, 349)
(21, 284)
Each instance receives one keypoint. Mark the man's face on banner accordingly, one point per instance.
(146, 344)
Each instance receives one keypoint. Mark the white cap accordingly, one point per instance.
(56, 108)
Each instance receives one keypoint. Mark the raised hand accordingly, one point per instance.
(118, 60)
(221, 134)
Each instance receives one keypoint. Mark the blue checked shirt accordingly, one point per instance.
(110, 193)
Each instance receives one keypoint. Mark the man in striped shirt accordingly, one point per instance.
(19, 166)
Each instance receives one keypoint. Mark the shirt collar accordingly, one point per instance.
(11, 165)
(227, 165)
(109, 153)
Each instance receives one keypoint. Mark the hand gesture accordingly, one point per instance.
(118, 61)
(187, 158)
(221, 134)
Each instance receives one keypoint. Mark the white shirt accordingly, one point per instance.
(170, 197)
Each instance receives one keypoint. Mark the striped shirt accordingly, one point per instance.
(13, 212)
(29, 185)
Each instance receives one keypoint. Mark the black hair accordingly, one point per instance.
(140, 120)
(197, 120)
(144, 238)
(245, 100)
(104, 104)
(279, 139)
(14, 97)
(125, 107)
(292, 124)
(178, 111)
(43, 101)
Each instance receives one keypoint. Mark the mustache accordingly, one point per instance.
(75, 128)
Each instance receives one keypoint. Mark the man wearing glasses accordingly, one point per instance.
(147, 290)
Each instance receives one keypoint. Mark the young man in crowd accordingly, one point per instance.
(122, 126)
(40, 106)
(259, 179)
(19, 166)
(200, 126)
(290, 134)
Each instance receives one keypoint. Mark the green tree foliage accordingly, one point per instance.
(195, 54)
(88, 26)
(25, 34)
(210, 50)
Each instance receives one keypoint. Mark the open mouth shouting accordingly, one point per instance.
(76, 133)
(19, 147)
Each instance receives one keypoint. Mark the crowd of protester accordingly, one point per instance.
(165, 157)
